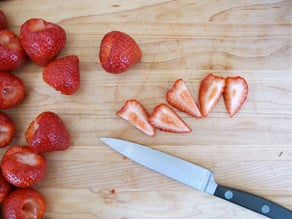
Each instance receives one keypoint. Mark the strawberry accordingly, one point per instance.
(134, 112)
(3, 21)
(12, 54)
(25, 203)
(11, 90)
(23, 167)
(5, 188)
(210, 91)
(235, 94)
(7, 129)
(118, 52)
(166, 119)
(42, 40)
(63, 74)
(180, 97)
(47, 133)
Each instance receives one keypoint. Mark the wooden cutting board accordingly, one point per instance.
(179, 39)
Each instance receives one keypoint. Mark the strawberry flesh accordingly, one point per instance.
(180, 97)
(235, 94)
(166, 119)
(3, 20)
(7, 129)
(135, 113)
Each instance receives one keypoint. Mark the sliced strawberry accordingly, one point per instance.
(235, 94)
(135, 113)
(7, 129)
(211, 89)
(11, 90)
(12, 54)
(22, 167)
(166, 119)
(5, 188)
(180, 97)
(25, 203)
(3, 21)
(63, 74)
(42, 40)
(118, 52)
(47, 133)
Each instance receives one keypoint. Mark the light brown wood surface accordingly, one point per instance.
(179, 39)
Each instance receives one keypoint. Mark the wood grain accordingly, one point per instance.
(181, 38)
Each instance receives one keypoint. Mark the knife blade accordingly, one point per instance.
(195, 176)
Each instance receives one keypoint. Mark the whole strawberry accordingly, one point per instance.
(12, 54)
(5, 188)
(118, 52)
(42, 40)
(47, 133)
(63, 74)
(3, 20)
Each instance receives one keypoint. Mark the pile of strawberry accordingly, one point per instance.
(22, 167)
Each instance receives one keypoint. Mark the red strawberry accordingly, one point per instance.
(25, 203)
(63, 74)
(118, 52)
(42, 40)
(211, 89)
(180, 97)
(3, 21)
(7, 129)
(134, 112)
(11, 90)
(5, 188)
(22, 167)
(166, 119)
(12, 54)
(47, 133)
(235, 93)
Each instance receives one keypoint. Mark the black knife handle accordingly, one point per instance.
(253, 202)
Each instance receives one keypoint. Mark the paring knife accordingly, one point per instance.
(195, 176)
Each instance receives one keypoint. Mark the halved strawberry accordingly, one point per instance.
(235, 94)
(180, 97)
(11, 90)
(118, 52)
(3, 20)
(25, 203)
(135, 113)
(166, 119)
(63, 74)
(42, 40)
(7, 129)
(211, 89)
(5, 188)
(22, 167)
(12, 54)
(47, 133)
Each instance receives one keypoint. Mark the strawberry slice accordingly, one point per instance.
(11, 90)
(135, 113)
(235, 94)
(12, 54)
(25, 203)
(211, 89)
(180, 97)
(7, 129)
(166, 119)
(5, 188)
(22, 167)
(3, 20)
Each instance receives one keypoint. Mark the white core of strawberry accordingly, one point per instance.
(27, 158)
(30, 208)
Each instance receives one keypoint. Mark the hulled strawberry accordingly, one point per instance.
(12, 54)
(63, 74)
(5, 188)
(47, 133)
(135, 113)
(11, 90)
(3, 20)
(25, 203)
(42, 40)
(23, 167)
(7, 129)
(210, 91)
(118, 52)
